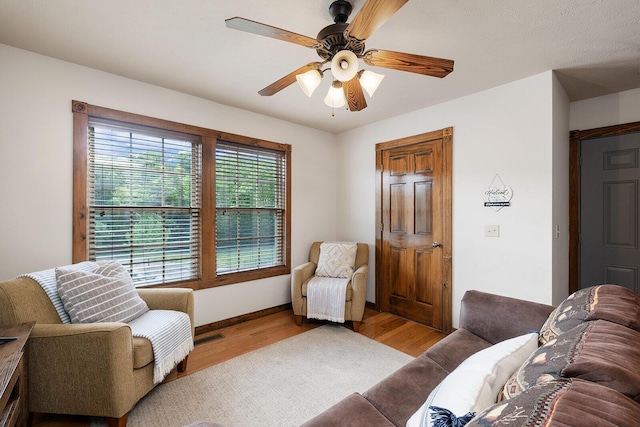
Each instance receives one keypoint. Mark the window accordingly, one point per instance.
(178, 205)
(250, 207)
(144, 200)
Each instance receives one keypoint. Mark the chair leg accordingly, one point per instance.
(182, 366)
(356, 326)
(298, 319)
(118, 422)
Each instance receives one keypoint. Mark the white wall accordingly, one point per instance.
(608, 110)
(36, 168)
(508, 131)
(560, 200)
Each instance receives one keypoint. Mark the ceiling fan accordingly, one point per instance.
(343, 44)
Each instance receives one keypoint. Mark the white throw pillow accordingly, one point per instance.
(475, 384)
(337, 259)
(95, 297)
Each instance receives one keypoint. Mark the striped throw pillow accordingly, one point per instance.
(94, 297)
(116, 270)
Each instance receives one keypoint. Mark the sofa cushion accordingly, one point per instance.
(572, 402)
(400, 394)
(352, 411)
(607, 302)
(597, 351)
(455, 348)
(142, 352)
(337, 259)
(91, 297)
(474, 385)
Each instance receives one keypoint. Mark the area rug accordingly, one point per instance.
(283, 384)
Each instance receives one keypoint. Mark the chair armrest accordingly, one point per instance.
(359, 292)
(362, 270)
(299, 275)
(177, 299)
(66, 363)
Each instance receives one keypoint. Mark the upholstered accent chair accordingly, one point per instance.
(94, 369)
(356, 293)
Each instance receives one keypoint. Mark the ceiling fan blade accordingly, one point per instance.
(371, 16)
(427, 65)
(353, 92)
(259, 28)
(290, 78)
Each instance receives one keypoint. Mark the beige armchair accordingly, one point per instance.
(95, 369)
(356, 289)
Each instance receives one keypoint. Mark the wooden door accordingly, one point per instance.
(415, 243)
(609, 221)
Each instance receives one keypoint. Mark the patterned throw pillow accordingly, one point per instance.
(337, 259)
(93, 297)
(599, 351)
(607, 302)
(562, 403)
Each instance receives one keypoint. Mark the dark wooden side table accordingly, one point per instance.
(14, 403)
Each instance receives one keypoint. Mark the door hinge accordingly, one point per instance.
(381, 227)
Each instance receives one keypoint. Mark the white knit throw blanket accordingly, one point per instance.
(169, 331)
(170, 334)
(326, 298)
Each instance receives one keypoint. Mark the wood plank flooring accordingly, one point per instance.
(404, 335)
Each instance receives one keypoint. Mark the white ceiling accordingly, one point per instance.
(185, 46)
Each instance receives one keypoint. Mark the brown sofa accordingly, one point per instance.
(487, 319)
(95, 369)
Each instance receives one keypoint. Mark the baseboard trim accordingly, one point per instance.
(209, 327)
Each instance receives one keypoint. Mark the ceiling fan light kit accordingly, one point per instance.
(370, 81)
(335, 97)
(343, 45)
(344, 65)
(309, 81)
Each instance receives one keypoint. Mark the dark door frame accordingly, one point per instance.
(446, 135)
(575, 138)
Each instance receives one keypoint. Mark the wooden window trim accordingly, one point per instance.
(209, 137)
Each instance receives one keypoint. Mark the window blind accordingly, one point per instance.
(144, 197)
(250, 207)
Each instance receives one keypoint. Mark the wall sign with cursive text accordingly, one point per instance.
(498, 195)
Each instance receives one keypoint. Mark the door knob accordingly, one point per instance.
(436, 244)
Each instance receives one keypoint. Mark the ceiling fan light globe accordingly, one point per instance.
(344, 65)
(309, 81)
(370, 81)
(335, 97)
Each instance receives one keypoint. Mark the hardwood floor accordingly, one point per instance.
(404, 335)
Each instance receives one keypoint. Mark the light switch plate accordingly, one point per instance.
(492, 230)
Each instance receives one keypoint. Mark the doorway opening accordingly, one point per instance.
(604, 218)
